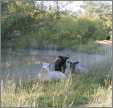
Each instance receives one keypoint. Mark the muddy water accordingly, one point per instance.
(26, 63)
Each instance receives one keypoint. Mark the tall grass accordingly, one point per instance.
(93, 87)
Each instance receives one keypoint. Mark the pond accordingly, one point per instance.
(26, 63)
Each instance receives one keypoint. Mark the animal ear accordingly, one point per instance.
(67, 57)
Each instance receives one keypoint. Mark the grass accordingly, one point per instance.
(93, 87)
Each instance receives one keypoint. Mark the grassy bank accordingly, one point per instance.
(92, 87)
(89, 47)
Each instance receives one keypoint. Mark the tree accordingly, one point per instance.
(103, 10)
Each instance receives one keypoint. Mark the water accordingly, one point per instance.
(26, 64)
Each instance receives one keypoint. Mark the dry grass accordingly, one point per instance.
(90, 89)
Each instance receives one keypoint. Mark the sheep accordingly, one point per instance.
(46, 74)
(60, 63)
(76, 67)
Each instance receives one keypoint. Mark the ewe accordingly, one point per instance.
(46, 74)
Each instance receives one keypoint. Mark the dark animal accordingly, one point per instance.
(60, 63)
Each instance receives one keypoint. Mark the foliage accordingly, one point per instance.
(103, 10)
(25, 26)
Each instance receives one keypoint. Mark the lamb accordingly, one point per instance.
(46, 74)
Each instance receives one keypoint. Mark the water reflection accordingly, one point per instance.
(24, 63)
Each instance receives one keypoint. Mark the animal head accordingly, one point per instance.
(45, 66)
(75, 63)
(70, 64)
(63, 58)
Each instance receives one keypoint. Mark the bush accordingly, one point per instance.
(45, 31)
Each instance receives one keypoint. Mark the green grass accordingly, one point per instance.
(80, 89)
